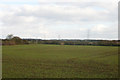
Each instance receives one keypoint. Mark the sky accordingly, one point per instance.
(65, 19)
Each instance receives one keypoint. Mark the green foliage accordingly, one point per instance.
(77, 42)
(14, 41)
(60, 61)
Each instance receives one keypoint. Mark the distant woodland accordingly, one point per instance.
(15, 40)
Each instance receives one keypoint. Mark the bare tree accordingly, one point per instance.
(9, 36)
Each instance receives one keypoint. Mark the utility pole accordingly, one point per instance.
(44, 36)
(36, 40)
(88, 34)
(59, 37)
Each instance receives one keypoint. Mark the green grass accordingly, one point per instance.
(59, 61)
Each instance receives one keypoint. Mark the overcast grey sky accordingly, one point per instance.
(70, 19)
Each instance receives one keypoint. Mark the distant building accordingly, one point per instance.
(62, 43)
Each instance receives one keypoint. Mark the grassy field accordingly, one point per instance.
(59, 61)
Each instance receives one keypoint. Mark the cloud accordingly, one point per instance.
(61, 13)
(57, 18)
(76, 0)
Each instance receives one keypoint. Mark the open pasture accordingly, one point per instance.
(59, 61)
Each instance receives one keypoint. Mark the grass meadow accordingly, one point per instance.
(59, 61)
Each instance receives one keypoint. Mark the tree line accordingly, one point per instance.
(15, 40)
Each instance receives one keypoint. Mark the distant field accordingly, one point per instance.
(60, 61)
